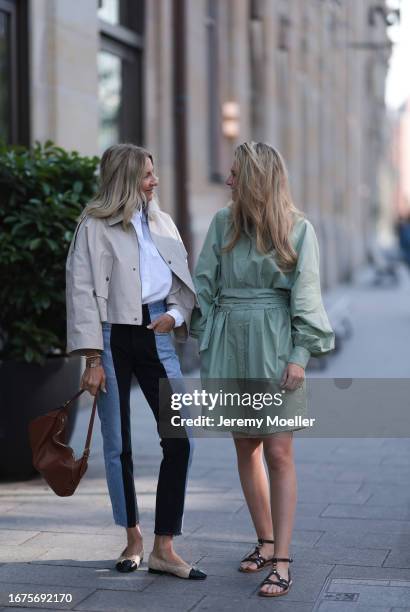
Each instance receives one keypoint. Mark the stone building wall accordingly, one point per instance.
(304, 77)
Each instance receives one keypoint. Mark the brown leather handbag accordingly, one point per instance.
(52, 457)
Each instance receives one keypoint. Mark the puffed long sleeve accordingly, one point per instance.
(84, 330)
(206, 278)
(312, 334)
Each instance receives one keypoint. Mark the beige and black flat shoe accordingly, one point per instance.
(158, 566)
(129, 563)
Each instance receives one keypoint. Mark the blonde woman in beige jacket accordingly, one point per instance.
(128, 287)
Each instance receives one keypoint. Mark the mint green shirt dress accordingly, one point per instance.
(254, 319)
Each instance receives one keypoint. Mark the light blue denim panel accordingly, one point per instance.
(169, 359)
(165, 346)
(168, 356)
(110, 417)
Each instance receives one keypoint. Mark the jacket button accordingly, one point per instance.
(107, 278)
(134, 269)
(135, 318)
(169, 261)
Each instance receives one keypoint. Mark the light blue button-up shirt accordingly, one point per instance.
(156, 277)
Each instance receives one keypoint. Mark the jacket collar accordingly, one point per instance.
(116, 219)
(120, 216)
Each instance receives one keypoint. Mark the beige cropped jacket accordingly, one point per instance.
(103, 280)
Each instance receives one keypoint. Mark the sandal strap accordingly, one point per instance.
(261, 541)
(283, 559)
(253, 555)
(256, 557)
(281, 582)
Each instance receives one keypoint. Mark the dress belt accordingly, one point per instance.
(242, 298)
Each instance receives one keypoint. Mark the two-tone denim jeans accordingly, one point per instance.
(151, 357)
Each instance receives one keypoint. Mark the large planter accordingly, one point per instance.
(28, 391)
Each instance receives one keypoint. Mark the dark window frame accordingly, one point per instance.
(214, 107)
(19, 109)
(284, 26)
(257, 49)
(127, 43)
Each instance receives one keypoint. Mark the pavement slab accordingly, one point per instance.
(212, 604)
(48, 595)
(370, 594)
(104, 600)
(77, 576)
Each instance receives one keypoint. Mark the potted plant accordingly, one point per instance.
(42, 192)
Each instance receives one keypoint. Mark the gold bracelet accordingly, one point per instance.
(93, 356)
(95, 363)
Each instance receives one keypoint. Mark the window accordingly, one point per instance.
(256, 69)
(120, 71)
(283, 87)
(214, 111)
(14, 112)
(284, 33)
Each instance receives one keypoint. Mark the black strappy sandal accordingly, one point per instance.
(281, 582)
(256, 557)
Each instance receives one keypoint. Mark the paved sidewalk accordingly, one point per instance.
(352, 534)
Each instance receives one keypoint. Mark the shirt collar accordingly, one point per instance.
(137, 214)
(120, 216)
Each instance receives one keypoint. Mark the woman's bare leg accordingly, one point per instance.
(255, 488)
(278, 452)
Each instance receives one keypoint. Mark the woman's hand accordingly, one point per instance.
(293, 377)
(163, 324)
(93, 379)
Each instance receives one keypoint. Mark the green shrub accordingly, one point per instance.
(42, 192)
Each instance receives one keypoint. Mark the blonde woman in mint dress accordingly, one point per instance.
(262, 317)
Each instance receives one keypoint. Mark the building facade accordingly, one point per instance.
(191, 79)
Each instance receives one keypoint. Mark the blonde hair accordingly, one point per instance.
(122, 169)
(261, 202)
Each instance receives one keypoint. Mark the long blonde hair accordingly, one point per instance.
(261, 202)
(121, 172)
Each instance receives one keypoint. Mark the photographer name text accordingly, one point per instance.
(274, 421)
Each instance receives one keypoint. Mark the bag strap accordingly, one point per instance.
(90, 429)
(86, 452)
(70, 401)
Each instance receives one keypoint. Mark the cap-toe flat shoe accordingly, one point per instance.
(159, 566)
(129, 563)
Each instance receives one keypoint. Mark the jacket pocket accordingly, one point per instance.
(102, 284)
(103, 276)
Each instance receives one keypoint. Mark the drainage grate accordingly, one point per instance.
(363, 593)
(341, 596)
